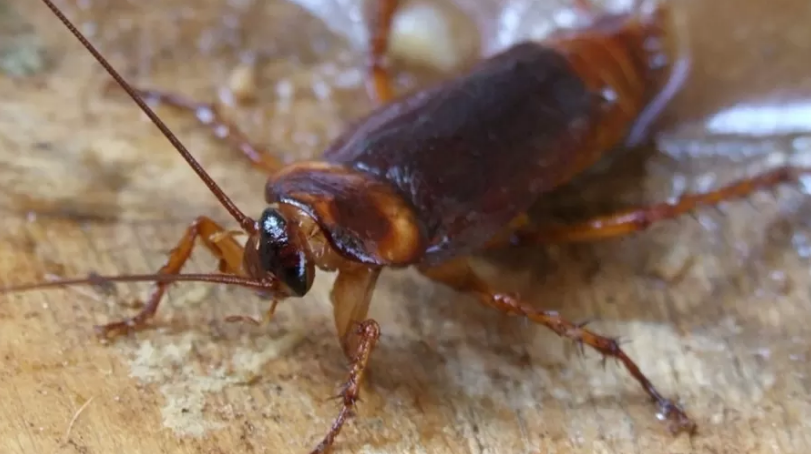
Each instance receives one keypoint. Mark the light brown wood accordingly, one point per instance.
(716, 307)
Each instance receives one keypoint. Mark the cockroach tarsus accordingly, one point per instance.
(429, 178)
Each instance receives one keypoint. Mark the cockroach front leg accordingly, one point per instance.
(378, 83)
(222, 128)
(458, 275)
(366, 334)
(351, 294)
(214, 238)
(635, 220)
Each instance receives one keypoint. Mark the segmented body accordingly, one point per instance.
(476, 151)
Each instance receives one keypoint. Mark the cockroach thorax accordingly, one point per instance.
(364, 219)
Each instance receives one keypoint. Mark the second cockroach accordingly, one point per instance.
(429, 178)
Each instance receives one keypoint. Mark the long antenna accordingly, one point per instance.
(209, 278)
(248, 224)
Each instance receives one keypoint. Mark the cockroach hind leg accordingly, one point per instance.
(584, 7)
(458, 275)
(378, 80)
(367, 334)
(208, 115)
(226, 249)
(638, 219)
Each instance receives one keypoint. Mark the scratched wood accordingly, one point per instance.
(715, 307)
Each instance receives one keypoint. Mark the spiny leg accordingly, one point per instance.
(223, 246)
(378, 82)
(351, 294)
(222, 128)
(458, 275)
(635, 220)
(367, 334)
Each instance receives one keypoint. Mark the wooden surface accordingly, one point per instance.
(715, 307)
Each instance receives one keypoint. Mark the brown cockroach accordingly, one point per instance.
(429, 178)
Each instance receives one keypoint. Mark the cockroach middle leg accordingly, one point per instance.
(223, 247)
(266, 318)
(378, 83)
(379, 87)
(638, 219)
(458, 275)
(366, 334)
(208, 114)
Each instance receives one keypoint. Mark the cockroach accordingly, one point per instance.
(431, 177)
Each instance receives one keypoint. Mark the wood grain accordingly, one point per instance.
(715, 307)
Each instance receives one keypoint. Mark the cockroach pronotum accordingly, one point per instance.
(431, 177)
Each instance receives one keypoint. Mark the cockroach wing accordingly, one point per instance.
(476, 151)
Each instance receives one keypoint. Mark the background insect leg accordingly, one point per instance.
(223, 129)
(378, 83)
(458, 275)
(214, 238)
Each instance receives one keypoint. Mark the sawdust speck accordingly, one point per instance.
(251, 360)
(21, 52)
(183, 387)
(174, 363)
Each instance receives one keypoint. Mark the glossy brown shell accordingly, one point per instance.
(460, 160)
(476, 151)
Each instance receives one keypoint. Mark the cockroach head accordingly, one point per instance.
(280, 249)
